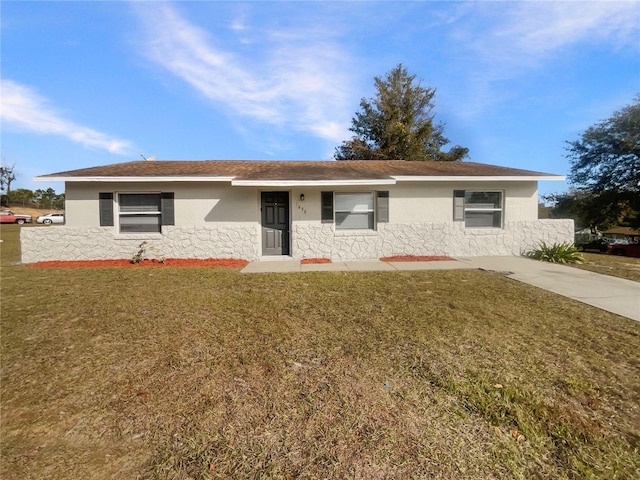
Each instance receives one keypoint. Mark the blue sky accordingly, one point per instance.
(93, 83)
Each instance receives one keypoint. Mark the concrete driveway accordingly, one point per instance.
(616, 295)
(612, 294)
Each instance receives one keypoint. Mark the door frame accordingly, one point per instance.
(287, 234)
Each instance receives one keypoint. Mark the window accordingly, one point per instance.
(478, 209)
(354, 211)
(139, 212)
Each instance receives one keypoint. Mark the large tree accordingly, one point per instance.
(7, 176)
(398, 124)
(605, 163)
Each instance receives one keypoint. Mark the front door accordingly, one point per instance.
(275, 223)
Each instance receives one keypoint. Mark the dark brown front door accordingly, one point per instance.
(275, 223)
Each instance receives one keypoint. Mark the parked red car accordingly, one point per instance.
(626, 249)
(7, 216)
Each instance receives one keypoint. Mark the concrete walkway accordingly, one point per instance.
(612, 294)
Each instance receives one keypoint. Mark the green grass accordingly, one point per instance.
(201, 373)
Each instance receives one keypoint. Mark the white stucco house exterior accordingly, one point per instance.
(261, 210)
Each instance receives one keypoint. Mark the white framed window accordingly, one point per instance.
(136, 212)
(354, 210)
(478, 209)
(139, 212)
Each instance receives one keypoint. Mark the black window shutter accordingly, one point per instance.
(166, 209)
(458, 205)
(106, 209)
(327, 207)
(382, 207)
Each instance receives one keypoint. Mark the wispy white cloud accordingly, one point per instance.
(515, 35)
(540, 28)
(296, 80)
(503, 41)
(21, 106)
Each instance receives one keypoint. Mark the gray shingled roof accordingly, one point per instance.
(295, 170)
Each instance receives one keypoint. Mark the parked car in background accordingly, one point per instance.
(7, 216)
(618, 241)
(627, 250)
(599, 244)
(50, 218)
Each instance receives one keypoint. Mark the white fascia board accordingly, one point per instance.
(524, 178)
(310, 183)
(133, 179)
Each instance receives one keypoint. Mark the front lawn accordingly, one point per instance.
(206, 373)
(623, 267)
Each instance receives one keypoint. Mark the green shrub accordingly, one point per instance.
(142, 254)
(557, 253)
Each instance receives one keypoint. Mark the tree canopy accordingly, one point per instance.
(596, 212)
(398, 124)
(606, 166)
(40, 198)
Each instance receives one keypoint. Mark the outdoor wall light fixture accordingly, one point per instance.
(302, 197)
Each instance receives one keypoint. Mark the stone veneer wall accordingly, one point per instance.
(320, 241)
(97, 243)
(308, 241)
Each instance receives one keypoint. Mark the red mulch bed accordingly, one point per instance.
(416, 258)
(307, 261)
(169, 262)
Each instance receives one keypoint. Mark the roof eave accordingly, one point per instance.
(304, 183)
(311, 183)
(63, 178)
(478, 178)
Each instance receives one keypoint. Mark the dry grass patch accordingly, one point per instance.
(206, 373)
(623, 267)
(416, 258)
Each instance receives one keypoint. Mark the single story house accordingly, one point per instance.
(624, 234)
(259, 210)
